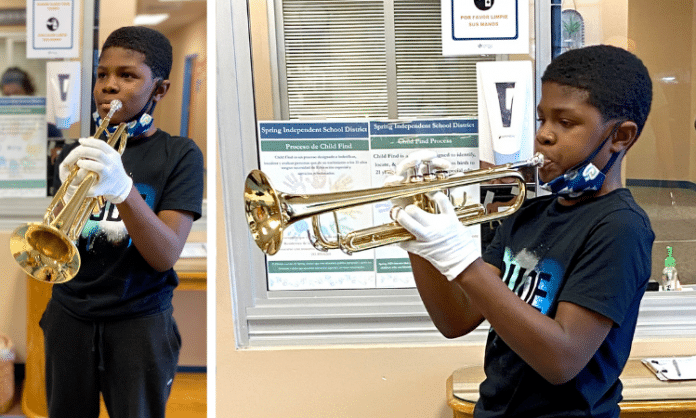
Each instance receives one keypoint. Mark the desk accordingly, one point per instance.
(644, 395)
(192, 276)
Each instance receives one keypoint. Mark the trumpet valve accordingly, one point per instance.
(437, 169)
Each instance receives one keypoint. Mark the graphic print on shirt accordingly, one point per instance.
(535, 281)
(107, 227)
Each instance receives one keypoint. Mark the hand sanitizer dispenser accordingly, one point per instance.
(670, 280)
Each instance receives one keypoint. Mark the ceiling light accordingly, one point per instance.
(150, 19)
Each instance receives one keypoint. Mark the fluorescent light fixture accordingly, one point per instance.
(146, 20)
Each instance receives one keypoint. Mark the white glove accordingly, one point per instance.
(413, 166)
(440, 237)
(97, 156)
(64, 171)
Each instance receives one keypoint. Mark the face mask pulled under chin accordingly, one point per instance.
(581, 181)
(584, 179)
(134, 128)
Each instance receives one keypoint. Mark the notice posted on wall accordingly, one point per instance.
(335, 157)
(23, 132)
(52, 29)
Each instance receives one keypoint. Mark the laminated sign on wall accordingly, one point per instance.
(315, 157)
(473, 27)
(52, 28)
(22, 147)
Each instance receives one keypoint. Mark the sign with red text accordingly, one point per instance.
(474, 27)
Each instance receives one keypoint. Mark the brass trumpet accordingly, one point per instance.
(46, 250)
(269, 212)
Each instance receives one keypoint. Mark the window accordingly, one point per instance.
(264, 318)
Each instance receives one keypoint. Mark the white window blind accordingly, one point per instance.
(429, 84)
(372, 59)
(335, 58)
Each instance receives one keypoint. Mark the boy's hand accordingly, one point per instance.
(64, 171)
(440, 237)
(97, 156)
(412, 167)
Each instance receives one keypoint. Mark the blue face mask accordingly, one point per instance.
(585, 178)
(141, 123)
(134, 128)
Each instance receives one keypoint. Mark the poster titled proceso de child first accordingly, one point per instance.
(323, 157)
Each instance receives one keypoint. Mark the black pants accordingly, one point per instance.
(131, 362)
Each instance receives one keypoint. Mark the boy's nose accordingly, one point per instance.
(545, 136)
(110, 85)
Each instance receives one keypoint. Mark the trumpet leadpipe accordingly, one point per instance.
(269, 212)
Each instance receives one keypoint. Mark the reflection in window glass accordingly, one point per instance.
(659, 169)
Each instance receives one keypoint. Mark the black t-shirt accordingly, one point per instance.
(597, 255)
(114, 281)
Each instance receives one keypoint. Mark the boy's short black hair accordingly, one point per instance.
(16, 75)
(618, 83)
(151, 43)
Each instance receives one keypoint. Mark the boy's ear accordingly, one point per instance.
(161, 90)
(625, 136)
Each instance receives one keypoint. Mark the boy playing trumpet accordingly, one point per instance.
(110, 330)
(562, 281)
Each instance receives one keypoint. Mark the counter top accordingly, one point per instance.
(643, 392)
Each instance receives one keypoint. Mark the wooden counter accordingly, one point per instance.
(644, 394)
(192, 273)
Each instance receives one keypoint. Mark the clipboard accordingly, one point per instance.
(672, 368)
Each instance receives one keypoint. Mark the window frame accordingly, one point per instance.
(274, 319)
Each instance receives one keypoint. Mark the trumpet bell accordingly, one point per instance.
(45, 253)
(263, 212)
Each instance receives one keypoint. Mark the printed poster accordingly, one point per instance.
(52, 28)
(334, 157)
(23, 144)
(475, 27)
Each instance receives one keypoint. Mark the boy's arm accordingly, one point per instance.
(557, 348)
(160, 237)
(448, 306)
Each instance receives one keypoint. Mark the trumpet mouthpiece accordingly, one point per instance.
(115, 105)
(538, 160)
